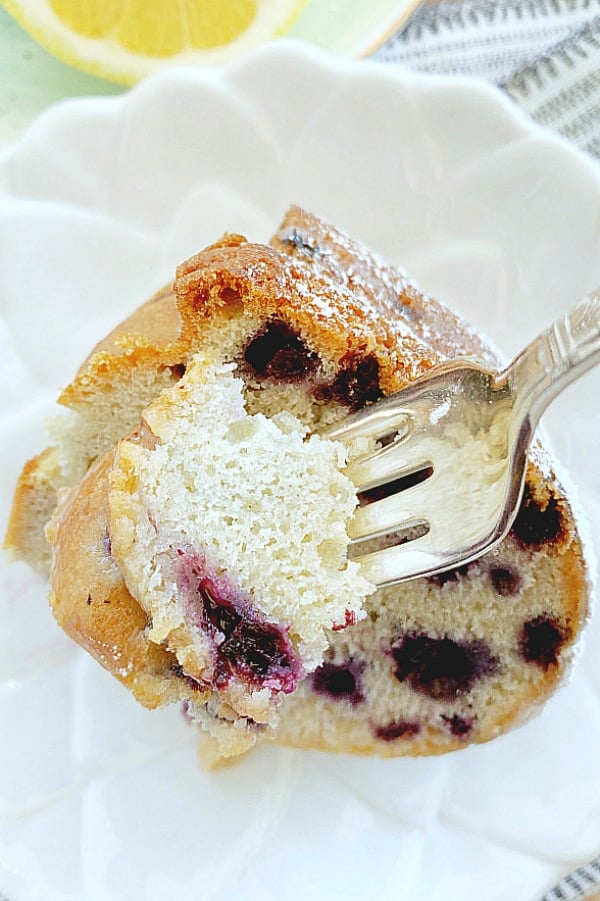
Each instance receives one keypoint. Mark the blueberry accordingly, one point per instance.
(278, 352)
(537, 525)
(258, 649)
(441, 668)
(541, 640)
(505, 580)
(339, 681)
(356, 384)
(298, 241)
(245, 644)
(178, 370)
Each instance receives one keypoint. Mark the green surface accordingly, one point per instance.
(31, 79)
(320, 22)
(351, 28)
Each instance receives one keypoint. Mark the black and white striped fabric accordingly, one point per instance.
(544, 53)
(581, 883)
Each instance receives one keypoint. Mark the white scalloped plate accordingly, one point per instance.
(101, 799)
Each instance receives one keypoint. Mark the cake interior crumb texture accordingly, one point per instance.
(214, 506)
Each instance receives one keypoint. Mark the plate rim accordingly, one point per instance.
(288, 51)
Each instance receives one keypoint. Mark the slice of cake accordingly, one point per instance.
(316, 325)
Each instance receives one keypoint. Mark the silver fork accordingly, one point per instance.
(445, 480)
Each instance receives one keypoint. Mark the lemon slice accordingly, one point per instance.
(124, 40)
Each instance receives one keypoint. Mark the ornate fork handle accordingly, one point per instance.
(557, 357)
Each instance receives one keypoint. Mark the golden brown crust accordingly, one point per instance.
(384, 291)
(156, 321)
(258, 278)
(150, 337)
(340, 297)
(34, 502)
(89, 598)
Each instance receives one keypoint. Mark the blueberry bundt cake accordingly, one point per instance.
(306, 328)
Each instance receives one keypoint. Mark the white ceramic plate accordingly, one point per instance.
(101, 799)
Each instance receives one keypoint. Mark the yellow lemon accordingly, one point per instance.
(124, 40)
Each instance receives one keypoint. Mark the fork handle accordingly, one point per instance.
(557, 357)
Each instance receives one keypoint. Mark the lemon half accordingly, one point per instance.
(124, 40)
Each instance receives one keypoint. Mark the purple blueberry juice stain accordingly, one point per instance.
(399, 729)
(177, 371)
(277, 351)
(245, 644)
(107, 545)
(459, 726)
(541, 640)
(342, 682)
(441, 668)
(349, 620)
(536, 526)
(191, 683)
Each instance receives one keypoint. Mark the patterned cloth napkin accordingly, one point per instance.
(544, 53)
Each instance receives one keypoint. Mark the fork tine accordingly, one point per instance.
(391, 513)
(395, 461)
(372, 422)
(396, 564)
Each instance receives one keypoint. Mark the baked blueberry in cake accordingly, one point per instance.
(309, 327)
